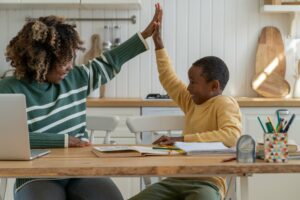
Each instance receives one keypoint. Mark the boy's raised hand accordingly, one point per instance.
(156, 36)
(156, 19)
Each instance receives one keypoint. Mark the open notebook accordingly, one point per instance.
(131, 151)
(194, 148)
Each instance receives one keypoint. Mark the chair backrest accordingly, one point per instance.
(154, 124)
(102, 123)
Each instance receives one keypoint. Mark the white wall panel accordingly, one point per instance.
(191, 29)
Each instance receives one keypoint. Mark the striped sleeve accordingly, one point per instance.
(102, 69)
(47, 140)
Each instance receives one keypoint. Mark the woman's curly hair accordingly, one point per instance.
(41, 45)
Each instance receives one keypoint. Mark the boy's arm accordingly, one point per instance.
(229, 123)
(175, 88)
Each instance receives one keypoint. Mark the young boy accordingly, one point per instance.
(209, 117)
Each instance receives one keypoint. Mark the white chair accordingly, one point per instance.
(94, 123)
(102, 123)
(170, 123)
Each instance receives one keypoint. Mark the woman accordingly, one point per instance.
(42, 54)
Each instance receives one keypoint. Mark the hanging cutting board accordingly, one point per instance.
(270, 65)
(270, 52)
(95, 51)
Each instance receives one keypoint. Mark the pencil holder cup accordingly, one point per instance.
(275, 147)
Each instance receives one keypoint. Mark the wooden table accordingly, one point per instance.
(81, 162)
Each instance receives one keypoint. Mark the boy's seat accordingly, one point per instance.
(169, 124)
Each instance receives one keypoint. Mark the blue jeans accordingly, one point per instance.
(70, 189)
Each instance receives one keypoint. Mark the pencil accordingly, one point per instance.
(261, 124)
(166, 148)
(271, 124)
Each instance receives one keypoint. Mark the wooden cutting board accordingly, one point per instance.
(270, 65)
(270, 50)
(95, 51)
(270, 86)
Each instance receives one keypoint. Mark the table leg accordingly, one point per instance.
(244, 188)
(3, 184)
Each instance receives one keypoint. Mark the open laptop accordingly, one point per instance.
(14, 135)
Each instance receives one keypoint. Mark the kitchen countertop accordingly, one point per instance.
(138, 102)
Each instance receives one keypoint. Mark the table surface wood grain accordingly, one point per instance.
(81, 162)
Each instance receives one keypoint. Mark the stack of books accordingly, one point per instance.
(293, 149)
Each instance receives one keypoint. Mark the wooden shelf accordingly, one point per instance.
(281, 8)
(291, 10)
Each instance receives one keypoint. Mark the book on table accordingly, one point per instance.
(131, 151)
(293, 149)
(195, 148)
(292, 146)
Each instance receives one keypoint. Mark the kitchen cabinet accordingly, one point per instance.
(111, 4)
(84, 4)
(258, 183)
(10, 1)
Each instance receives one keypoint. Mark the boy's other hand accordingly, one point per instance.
(156, 19)
(76, 142)
(165, 140)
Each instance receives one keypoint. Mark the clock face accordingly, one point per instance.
(246, 149)
(246, 144)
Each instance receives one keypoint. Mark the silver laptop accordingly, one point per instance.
(14, 136)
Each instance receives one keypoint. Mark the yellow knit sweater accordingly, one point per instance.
(216, 120)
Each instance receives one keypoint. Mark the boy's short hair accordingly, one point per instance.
(213, 68)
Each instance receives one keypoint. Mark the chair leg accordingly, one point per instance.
(3, 184)
(231, 190)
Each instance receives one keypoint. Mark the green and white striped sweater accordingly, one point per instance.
(55, 111)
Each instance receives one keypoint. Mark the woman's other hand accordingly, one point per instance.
(156, 19)
(76, 142)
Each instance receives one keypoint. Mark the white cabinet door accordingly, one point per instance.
(271, 186)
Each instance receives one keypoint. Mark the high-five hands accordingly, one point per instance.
(156, 36)
(153, 24)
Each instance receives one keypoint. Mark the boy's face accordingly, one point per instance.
(199, 88)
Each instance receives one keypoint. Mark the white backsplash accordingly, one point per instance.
(191, 29)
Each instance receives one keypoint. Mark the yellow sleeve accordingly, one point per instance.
(175, 88)
(229, 126)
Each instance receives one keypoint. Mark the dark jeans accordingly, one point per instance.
(70, 189)
(178, 189)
